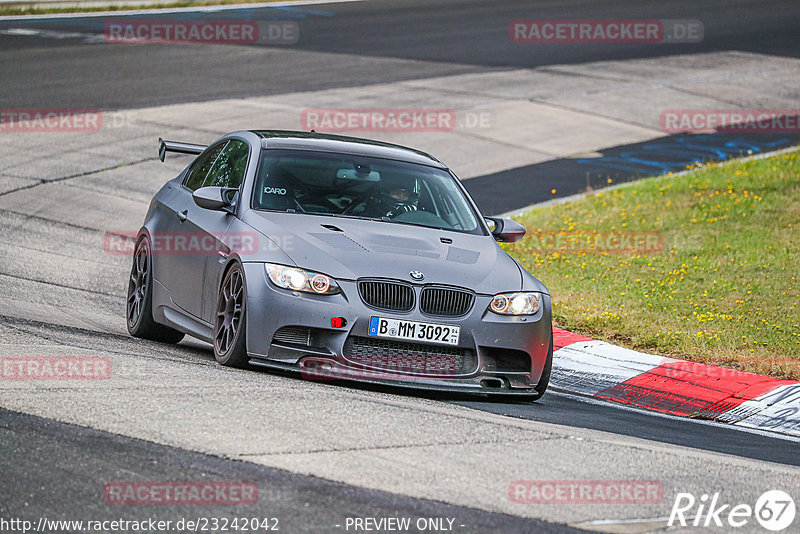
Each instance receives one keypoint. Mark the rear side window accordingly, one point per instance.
(230, 166)
(202, 166)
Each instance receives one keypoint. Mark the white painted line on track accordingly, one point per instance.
(47, 34)
(162, 11)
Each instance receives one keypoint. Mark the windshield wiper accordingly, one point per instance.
(341, 216)
(384, 219)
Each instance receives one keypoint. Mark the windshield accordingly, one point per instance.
(354, 186)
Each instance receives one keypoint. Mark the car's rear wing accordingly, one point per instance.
(174, 146)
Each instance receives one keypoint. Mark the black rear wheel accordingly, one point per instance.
(139, 307)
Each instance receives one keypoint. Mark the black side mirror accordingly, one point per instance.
(505, 230)
(213, 198)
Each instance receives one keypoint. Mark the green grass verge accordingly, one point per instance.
(51, 10)
(712, 270)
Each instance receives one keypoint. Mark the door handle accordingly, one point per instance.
(182, 215)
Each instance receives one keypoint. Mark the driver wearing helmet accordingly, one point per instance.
(394, 197)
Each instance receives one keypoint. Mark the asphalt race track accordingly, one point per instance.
(345, 45)
(319, 453)
(89, 458)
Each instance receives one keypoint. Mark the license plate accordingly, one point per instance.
(445, 334)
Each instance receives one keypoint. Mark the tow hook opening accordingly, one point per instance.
(493, 383)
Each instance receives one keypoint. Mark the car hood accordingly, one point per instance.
(349, 248)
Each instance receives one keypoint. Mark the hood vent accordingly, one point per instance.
(340, 242)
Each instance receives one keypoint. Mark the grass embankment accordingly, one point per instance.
(715, 277)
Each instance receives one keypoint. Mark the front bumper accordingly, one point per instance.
(506, 355)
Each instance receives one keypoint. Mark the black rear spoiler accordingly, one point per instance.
(174, 146)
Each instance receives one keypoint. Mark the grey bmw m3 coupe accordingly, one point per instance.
(343, 259)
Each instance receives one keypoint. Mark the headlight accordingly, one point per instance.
(515, 303)
(301, 280)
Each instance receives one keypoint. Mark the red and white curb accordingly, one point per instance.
(595, 368)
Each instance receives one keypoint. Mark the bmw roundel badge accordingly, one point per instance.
(416, 275)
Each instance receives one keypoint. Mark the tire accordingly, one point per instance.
(139, 304)
(230, 321)
(544, 381)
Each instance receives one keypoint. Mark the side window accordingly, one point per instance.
(200, 170)
(228, 170)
